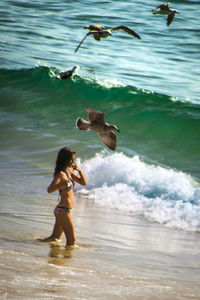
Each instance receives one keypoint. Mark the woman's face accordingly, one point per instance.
(71, 160)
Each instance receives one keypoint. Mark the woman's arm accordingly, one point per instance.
(56, 183)
(79, 179)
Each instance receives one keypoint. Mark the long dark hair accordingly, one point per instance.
(64, 156)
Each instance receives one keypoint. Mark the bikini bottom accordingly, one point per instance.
(59, 209)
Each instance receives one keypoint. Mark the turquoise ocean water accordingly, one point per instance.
(149, 88)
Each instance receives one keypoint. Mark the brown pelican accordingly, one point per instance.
(100, 32)
(164, 9)
(97, 124)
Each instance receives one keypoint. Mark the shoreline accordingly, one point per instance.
(131, 247)
(117, 256)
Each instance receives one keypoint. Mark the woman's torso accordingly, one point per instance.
(66, 195)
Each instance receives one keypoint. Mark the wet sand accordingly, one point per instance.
(117, 256)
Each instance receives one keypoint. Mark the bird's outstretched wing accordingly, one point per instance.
(127, 30)
(170, 19)
(95, 115)
(82, 124)
(109, 139)
(81, 42)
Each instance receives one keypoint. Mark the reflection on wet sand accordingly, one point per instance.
(58, 254)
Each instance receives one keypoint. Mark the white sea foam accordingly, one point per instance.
(110, 83)
(163, 195)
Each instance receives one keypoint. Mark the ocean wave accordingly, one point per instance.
(161, 128)
(163, 195)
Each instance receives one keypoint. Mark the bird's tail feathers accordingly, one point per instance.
(82, 124)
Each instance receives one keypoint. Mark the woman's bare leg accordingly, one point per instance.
(68, 227)
(57, 231)
(64, 222)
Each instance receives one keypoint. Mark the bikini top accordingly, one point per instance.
(69, 184)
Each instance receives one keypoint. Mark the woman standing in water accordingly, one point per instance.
(63, 181)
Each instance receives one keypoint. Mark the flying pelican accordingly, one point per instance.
(100, 32)
(164, 9)
(97, 124)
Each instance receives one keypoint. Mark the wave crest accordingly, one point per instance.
(163, 195)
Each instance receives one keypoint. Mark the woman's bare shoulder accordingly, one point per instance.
(60, 174)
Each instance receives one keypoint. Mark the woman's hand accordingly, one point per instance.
(75, 167)
(81, 178)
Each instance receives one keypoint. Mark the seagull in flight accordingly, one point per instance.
(97, 124)
(100, 32)
(164, 9)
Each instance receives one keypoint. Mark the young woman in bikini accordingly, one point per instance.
(63, 181)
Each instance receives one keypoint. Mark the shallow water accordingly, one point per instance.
(118, 254)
